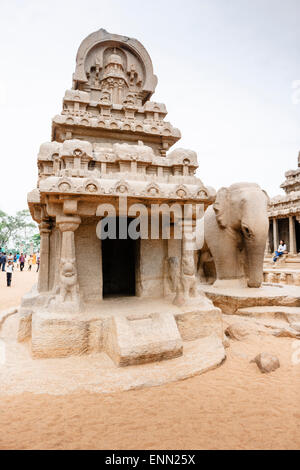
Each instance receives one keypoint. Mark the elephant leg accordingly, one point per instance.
(206, 268)
(201, 273)
(224, 245)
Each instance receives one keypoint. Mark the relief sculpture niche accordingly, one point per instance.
(117, 72)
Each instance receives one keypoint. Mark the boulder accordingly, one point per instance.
(238, 331)
(266, 362)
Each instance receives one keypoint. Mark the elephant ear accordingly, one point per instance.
(222, 207)
(267, 196)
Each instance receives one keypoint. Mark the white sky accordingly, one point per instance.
(225, 71)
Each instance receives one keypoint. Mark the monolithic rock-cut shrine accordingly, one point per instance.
(137, 300)
(284, 224)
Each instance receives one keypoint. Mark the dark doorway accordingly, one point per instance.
(283, 232)
(271, 240)
(118, 266)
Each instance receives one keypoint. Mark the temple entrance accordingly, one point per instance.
(283, 232)
(118, 267)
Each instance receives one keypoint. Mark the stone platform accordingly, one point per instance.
(130, 330)
(230, 300)
(96, 371)
(285, 271)
(289, 314)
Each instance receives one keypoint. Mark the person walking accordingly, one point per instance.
(10, 257)
(4, 258)
(37, 263)
(29, 263)
(9, 271)
(1, 256)
(22, 262)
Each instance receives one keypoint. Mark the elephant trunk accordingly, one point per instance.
(255, 255)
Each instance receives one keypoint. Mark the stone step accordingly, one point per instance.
(279, 312)
(230, 300)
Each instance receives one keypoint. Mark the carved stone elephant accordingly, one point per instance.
(235, 234)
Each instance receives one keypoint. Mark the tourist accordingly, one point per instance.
(37, 263)
(4, 259)
(10, 258)
(9, 271)
(281, 250)
(22, 261)
(18, 262)
(29, 261)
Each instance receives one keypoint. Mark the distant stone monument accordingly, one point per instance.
(284, 214)
(137, 299)
(284, 224)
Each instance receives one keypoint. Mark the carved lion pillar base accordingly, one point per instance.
(188, 291)
(68, 297)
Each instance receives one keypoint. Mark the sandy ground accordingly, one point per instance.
(21, 283)
(232, 407)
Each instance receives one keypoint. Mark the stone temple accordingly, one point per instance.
(284, 224)
(137, 300)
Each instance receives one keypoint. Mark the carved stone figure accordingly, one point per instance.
(173, 272)
(189, 280)
(69, 290)
(235, 233)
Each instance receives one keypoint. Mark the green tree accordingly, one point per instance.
(36, 240)
(7, 229)
(18, 231)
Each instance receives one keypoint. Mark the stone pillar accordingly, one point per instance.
(68, 225)
(188, 287)
(275, 234)
(43, 282)
(292, 235)
(268, 248)
(69, 289)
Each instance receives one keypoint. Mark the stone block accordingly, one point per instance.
(25, 323)
(58, 335)
(199, 323)
(136, 339)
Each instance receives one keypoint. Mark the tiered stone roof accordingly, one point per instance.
(110, 139)
(289, 203)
